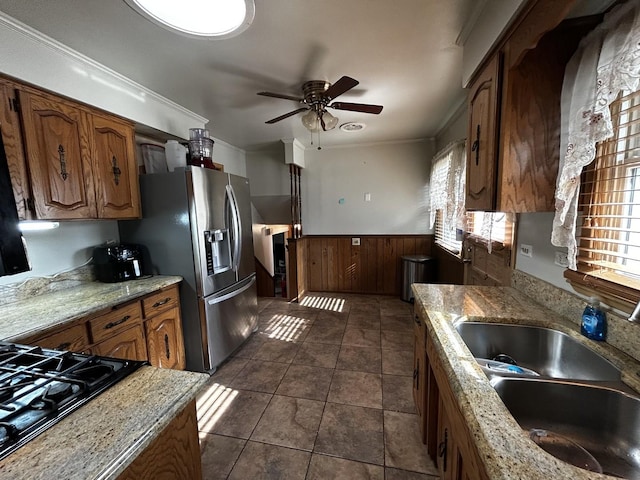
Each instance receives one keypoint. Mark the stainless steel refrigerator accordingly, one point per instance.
(197, 223)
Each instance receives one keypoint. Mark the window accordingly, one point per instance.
(608, 233)
(447, 195)
(491, 226)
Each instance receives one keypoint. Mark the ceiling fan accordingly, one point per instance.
(317, 97)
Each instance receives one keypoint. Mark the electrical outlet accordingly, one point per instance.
(355, 241)
(561, 259)
(526, 250)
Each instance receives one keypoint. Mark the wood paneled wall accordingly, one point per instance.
(296, 264)
(333, 264)
(264, 281)
(450, 267)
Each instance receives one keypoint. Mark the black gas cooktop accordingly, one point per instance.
(38, 387)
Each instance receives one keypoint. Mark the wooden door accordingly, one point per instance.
(57, 148)
(164, 340)
(114, 168)
(482, 138)
(12, 139)
(128, 344)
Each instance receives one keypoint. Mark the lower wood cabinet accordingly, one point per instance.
(449, 443)
(164, 340)
(148, 329)
(174, 454)
(129, 344)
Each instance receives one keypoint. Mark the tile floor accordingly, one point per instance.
(323, 390)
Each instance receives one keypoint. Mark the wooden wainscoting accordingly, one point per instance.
(265, 283)
(334, 264)
(450, 266)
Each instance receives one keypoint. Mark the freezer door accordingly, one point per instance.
(231, 316)
(210, 231)
(246, 263)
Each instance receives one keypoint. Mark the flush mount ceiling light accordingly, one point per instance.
(352, 127)
(198, 18)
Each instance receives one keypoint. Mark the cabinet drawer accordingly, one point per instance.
(74, 339)
(128, 344)
(160, 301)
(110, 323)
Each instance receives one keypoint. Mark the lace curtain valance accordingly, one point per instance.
(447, 184)
(606, 62)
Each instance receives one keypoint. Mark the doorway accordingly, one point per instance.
(279, 265)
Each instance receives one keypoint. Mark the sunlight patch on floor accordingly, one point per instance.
(286, 327)
(211, 405)
(324, 303)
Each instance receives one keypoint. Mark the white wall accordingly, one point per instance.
(535, 229)
(490, 24)
(63, 248)
(31, 56)
(267, 172)
(396, 175)
(454, 129)
(233, 158)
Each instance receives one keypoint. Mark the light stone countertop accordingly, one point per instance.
(101, 438)
(502, 445)
(104, 436)
(43, 312)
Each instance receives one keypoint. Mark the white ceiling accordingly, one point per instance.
(403, 53)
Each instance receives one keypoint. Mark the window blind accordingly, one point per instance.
(609, 203)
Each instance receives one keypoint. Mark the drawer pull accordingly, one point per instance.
(117, 322)
(166, 346)
(63, 346)
(161, 302)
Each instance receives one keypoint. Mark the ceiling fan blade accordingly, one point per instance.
(280, 95)
(286, 115)
(357, 107)
(341, 86)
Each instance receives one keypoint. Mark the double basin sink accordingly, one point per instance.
(571, 400)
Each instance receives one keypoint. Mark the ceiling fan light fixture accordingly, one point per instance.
(198, 18)
(330, 121)
(311, 121)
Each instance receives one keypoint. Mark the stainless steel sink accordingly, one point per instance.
(548, 352)
(603, 421)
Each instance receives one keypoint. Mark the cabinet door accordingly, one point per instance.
(164, 340)
(57, 147)
(128, 344)
(482, 139)
(446, 447)
(12, 138)
(114, 167)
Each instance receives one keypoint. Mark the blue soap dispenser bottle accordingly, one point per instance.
(594, 321)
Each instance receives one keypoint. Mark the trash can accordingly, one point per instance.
(416, 269)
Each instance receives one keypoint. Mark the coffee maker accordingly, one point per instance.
(117, 263)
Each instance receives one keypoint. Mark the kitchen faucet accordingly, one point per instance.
(635, 315)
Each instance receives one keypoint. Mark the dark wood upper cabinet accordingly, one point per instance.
(514, 111)
(57, 150)
(68, 161)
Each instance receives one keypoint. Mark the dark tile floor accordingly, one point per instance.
(323, 390)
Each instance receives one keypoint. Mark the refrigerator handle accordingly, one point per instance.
(237, 228)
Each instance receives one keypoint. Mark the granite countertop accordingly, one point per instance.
(40, 313)
(100, 439)
(502, 445)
